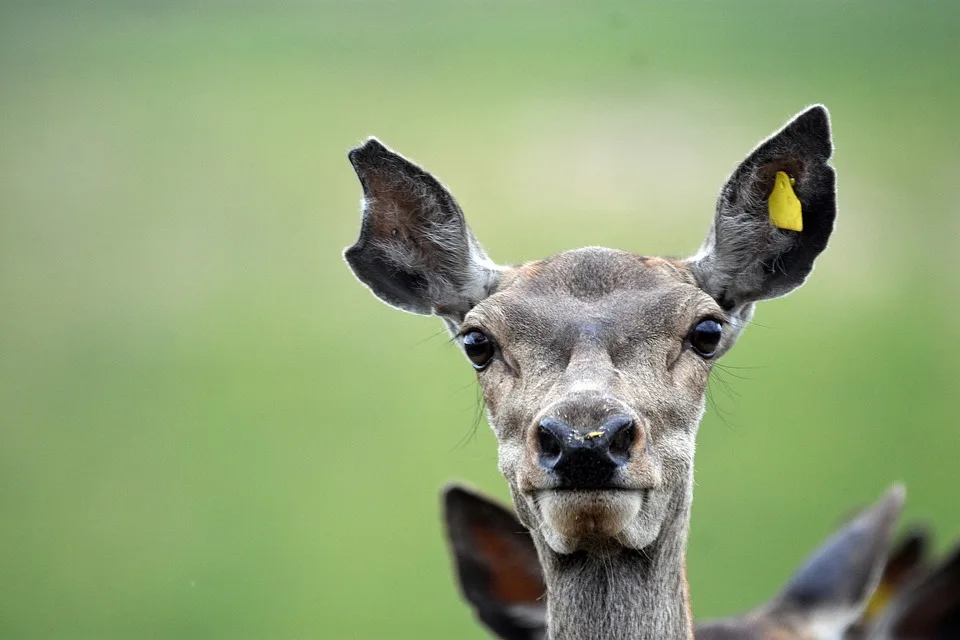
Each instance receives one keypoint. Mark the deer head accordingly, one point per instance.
(594, 362)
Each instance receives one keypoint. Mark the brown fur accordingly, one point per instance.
(510, 584)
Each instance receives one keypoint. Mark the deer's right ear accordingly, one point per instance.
(415, 250)
(497, 565)
(750, 254)
(830, 592)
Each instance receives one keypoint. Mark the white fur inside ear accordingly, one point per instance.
(483, 277)
(832, 625)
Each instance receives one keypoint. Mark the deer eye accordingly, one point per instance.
(479, 349)
(705, 337)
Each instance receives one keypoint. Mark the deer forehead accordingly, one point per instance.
(593, 294)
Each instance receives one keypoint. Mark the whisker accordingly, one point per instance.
(721, 413)
(463, 388)
(730, 373)
(471, 433)
(754, 323)
(731, 393)
(730, 366)
(430, 337)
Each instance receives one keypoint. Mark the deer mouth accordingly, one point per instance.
(590, 519)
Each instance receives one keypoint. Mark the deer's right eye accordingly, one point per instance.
(479, 349)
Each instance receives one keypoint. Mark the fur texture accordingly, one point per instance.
(745, 258)
(415, 250)
(823, 600)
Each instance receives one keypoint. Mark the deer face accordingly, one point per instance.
(594, 362)
(594, 366)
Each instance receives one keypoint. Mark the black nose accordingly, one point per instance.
(585, 460)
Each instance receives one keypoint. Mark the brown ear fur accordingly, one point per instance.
(415, 250)
(496, 563)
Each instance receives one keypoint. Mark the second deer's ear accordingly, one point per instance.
(415, 250)
(928, 608)
(774, 216)
(496, 564)
(829, 593)
(907, 561)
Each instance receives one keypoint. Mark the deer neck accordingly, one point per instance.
(633, 594)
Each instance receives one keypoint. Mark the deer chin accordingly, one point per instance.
(596, 521)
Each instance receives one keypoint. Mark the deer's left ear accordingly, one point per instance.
(774, 216)
(830, 592)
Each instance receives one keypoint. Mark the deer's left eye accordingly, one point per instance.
(705, 337)
(479, 349)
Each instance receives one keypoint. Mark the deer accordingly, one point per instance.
(594, 362)
(833, 594)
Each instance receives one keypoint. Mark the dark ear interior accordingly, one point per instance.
(496, 564)
(746, 257)
(907, 561)
(842, 574)
(930, 608)
(415, 250)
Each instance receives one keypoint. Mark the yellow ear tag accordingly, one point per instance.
(785, 209)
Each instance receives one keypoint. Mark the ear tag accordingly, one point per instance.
(785, 209)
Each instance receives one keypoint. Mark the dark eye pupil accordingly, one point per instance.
(478, 347)
(705, 337)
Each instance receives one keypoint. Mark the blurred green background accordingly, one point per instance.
(210, 430)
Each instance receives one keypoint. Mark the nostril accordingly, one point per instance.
(550, 443)
(623, 433)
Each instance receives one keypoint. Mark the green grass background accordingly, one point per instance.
(208, 429)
